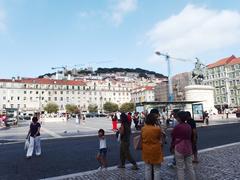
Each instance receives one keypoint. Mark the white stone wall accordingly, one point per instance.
(36, 96)
(202, 93)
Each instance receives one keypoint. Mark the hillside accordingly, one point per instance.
(141, 72)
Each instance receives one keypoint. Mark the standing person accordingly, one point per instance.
(102, 154)
(129, 117)
(136, 120)
(152, 152)
(227, 112)
(34, 133)
(206, 117)
(194, 137)
(114, 122)
(125, 133)
(182, 147)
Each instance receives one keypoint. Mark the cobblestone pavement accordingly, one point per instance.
(221, 163)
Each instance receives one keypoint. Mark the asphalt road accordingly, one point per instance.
(72, 155)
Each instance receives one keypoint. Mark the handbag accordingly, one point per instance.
(26, 145)
(137, 142)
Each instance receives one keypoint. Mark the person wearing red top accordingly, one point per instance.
(181, 146)
(114, 122)
(129, 117)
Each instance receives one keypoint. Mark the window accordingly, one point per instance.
(25, 92)
(36, 92)
(4, 97)
(11, 105)
(223, 90)
(24, 98)
(18, 98)
(222, 82)
(49, 98)
(55, 98)
(4, 106)
(61, 99)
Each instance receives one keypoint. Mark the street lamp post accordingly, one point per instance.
(170, 90)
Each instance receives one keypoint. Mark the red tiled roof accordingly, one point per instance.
(222, 62)
(46, 81)
(144, 88)
(149, 88)
(235, 61)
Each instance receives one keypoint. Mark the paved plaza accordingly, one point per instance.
(220, 163)
(59, 128)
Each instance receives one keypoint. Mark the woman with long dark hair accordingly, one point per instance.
(152, 151)
(181, 146)
(34, 135)
(125, 133)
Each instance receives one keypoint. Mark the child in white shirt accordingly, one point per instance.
(102, 154)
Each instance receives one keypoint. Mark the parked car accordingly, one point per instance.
(102, 115)
(11, 116)
(91, 115)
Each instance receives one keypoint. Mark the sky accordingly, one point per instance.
(36, 35)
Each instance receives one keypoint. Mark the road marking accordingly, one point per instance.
(139, 163)
(51, 133)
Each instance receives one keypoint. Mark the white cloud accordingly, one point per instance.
(195, 31)
(84, 14)
(121, 9)
(3, 25)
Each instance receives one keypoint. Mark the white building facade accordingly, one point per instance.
(34, 93)
(224, 76)
(143, 94)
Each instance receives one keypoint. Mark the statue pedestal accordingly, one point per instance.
(202, 93)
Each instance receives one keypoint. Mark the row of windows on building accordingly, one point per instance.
(137, 99)
(223, 83)
(223, 68)
(61, 98)
(63, 87)
(25, 106)
(221, 100)
(70, 92)
(223, 91)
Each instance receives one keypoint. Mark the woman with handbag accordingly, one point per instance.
(152, 151)
(34, 142)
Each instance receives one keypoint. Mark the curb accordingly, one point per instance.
(139, 163)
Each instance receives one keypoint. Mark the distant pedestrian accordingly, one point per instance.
(227, 112)
(182, 147)
(34, 135)
(152, 147)
(194, 137)
(206, 117)
(114, 122)
(129, 117)
(102, 154)
(125, 133)
(136, 120)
